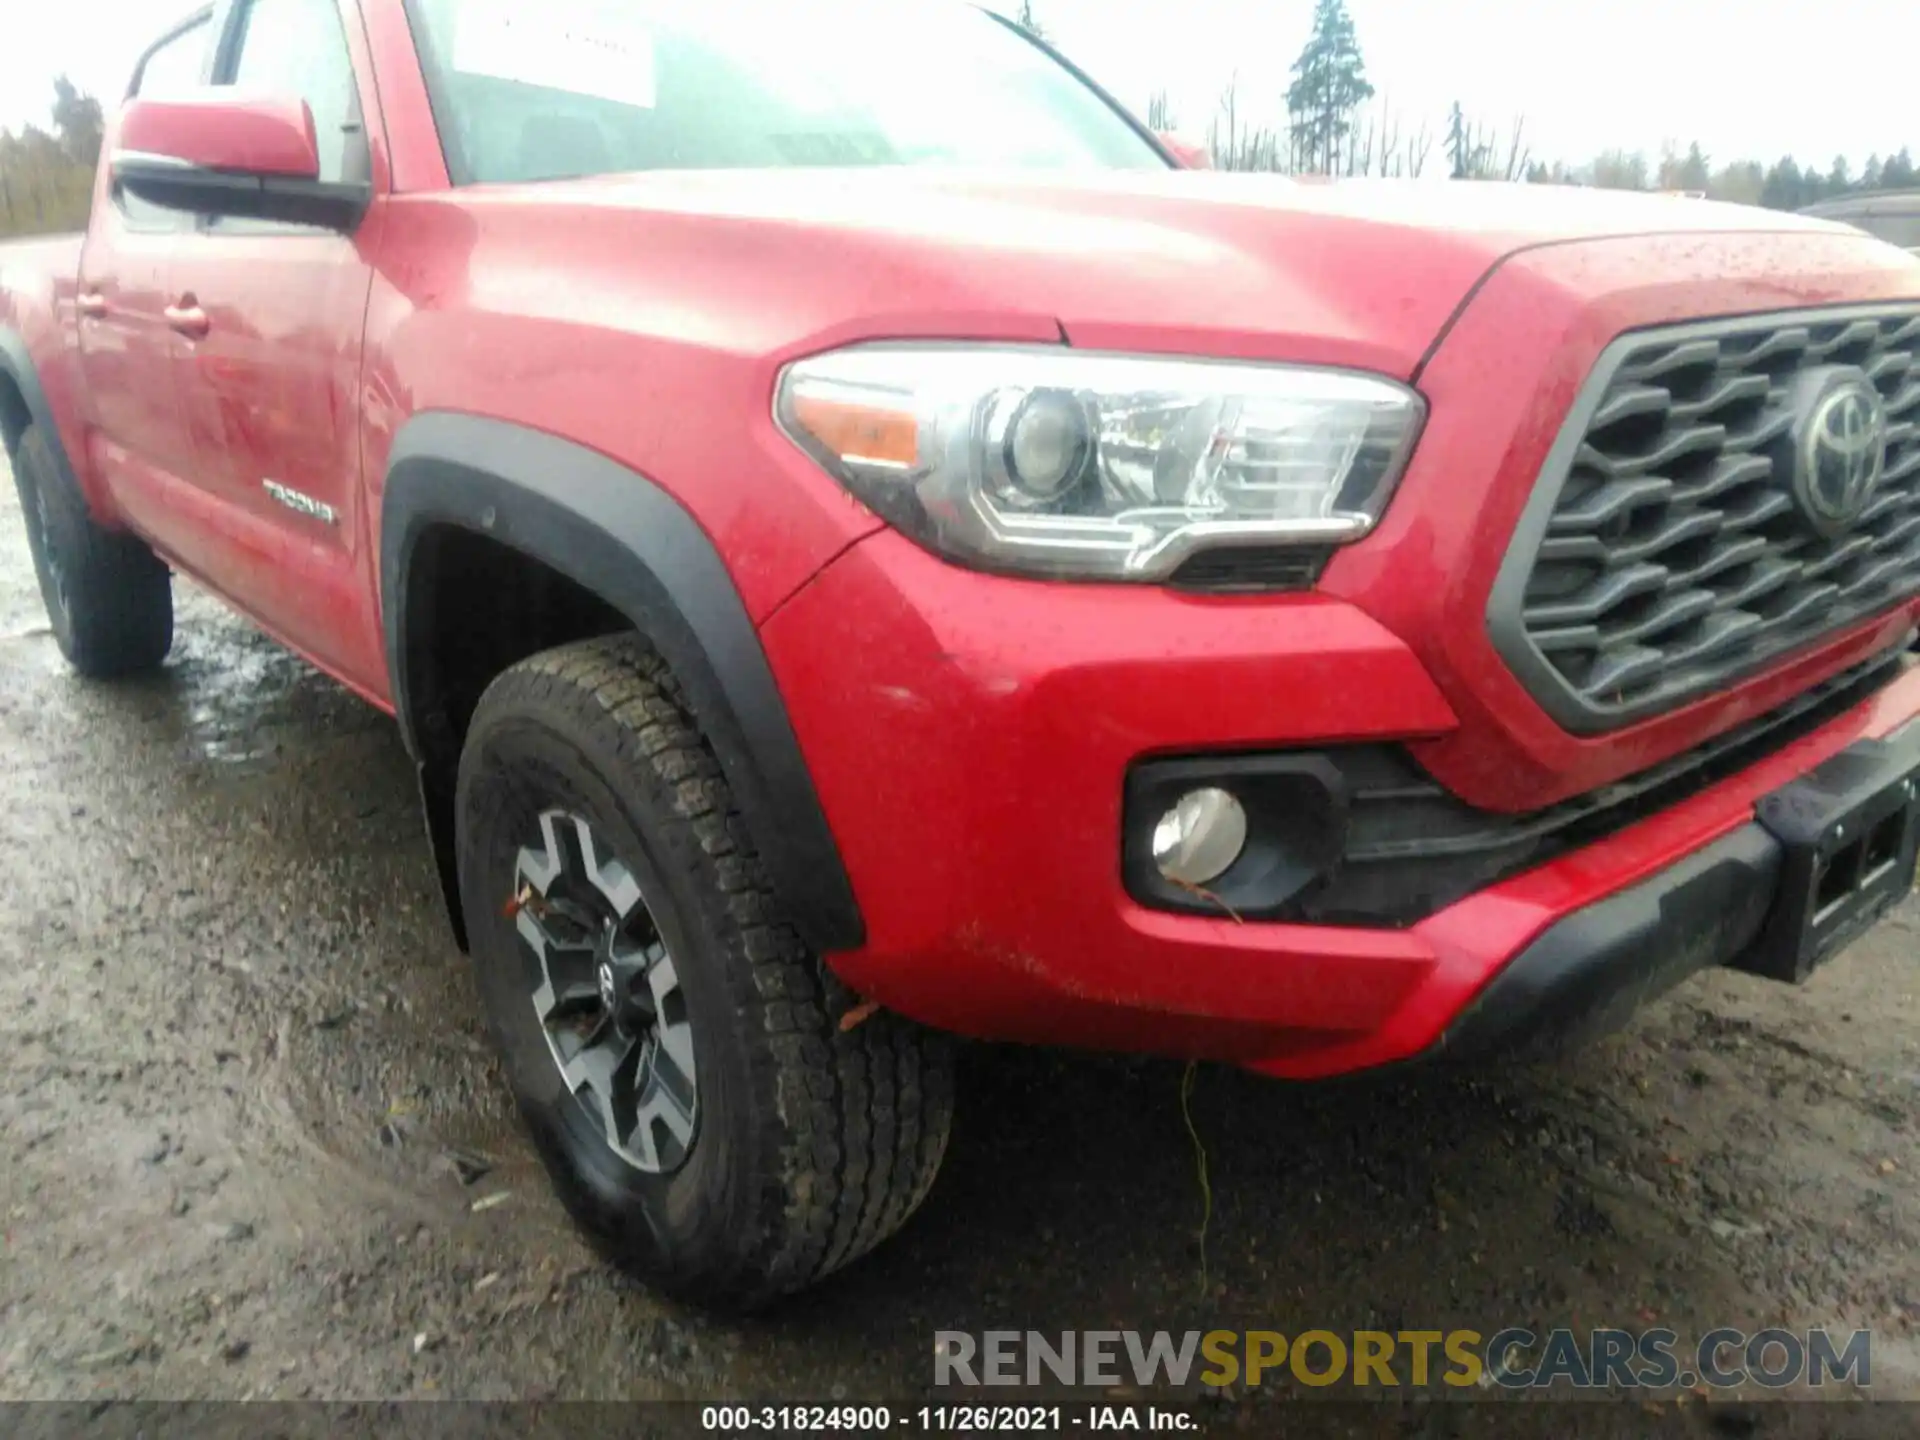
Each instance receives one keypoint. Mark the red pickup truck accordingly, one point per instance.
(862, 548)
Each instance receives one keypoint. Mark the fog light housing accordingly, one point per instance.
(1200, 837)
(1239, 835)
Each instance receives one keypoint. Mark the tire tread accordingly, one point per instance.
(119, 593)
(860, 1117)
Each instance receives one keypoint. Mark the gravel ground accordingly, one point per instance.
(253, 1144)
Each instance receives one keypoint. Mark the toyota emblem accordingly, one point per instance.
(1842, 452)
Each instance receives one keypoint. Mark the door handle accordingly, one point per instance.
(188, 318)
(93, 305)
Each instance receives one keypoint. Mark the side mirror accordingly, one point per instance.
(1190, 155)
(214, 152)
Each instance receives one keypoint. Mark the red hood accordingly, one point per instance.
(1362, 273)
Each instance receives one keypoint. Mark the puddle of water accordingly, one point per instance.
(231, 696)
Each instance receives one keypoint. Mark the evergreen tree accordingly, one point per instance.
(46, 177)
(1690, 172)
(1741, 183)
(1694, 174)
(1898, 173)
(1619, 170)
(1459, 143)
(1784, 186)
(79, 122)
(1329, 86)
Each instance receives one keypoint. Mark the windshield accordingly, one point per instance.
(548, 89)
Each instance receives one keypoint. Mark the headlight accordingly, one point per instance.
(1047, 461)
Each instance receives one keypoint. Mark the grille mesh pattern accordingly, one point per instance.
(1675, 559)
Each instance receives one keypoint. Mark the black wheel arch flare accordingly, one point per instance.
(623, 538)
(17, 367)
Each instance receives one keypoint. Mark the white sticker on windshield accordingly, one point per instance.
(584, 49)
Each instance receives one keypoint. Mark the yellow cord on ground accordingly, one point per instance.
(1200, 1167)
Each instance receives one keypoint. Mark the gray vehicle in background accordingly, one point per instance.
(1890, 215)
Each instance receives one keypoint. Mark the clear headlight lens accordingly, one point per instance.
(1048, 461)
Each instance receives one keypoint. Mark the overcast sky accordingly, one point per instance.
(1757, 78)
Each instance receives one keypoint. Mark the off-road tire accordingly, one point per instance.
(109, 599)
(814, 1142)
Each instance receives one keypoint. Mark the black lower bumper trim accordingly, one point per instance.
(1590, 972)
(1826, 856)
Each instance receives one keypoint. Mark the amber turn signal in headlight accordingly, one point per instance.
(1047, 461)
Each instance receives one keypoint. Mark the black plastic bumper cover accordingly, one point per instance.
(1723, 904)
(1588, 973)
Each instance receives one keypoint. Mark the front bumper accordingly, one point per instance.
(970, 738)
(1732, 902)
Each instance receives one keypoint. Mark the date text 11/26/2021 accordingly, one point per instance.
(880, 1419)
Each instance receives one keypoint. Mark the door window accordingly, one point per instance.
(177, 63)
(296, 47)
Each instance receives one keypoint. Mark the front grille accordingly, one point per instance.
(1663, 554)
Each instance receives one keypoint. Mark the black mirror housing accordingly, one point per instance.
(330, 205)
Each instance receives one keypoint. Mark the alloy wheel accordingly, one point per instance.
(605, 989)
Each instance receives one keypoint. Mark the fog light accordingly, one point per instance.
(1200, 837)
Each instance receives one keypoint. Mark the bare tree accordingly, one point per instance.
(1235, 146)
(1383, 143)
(1359, 157)
(1383, 146)
(1224, 156)
(1476, 150)
(1261, 150)
(1518, 152)
(1419, 146)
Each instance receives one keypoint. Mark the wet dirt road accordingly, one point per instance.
(249, 1125)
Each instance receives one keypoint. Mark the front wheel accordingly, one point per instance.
(675, 1050)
